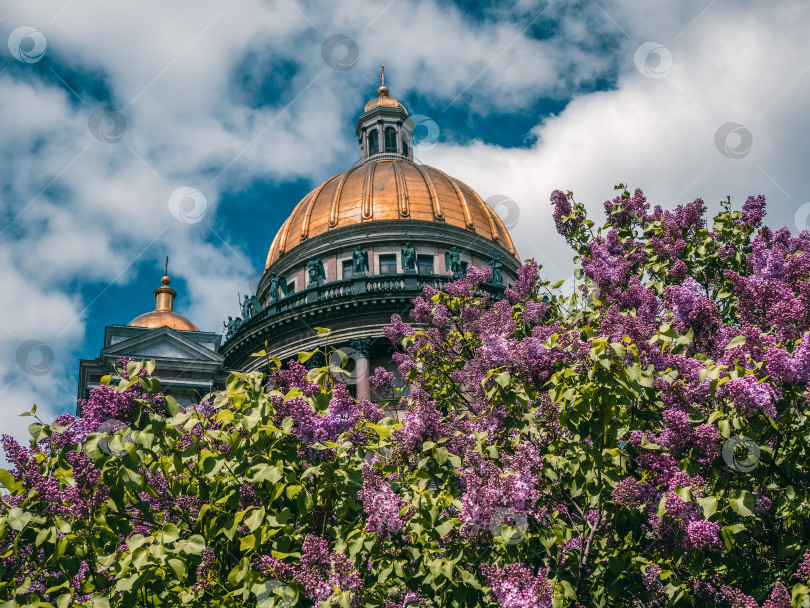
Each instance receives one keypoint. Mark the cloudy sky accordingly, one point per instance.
(132, 131)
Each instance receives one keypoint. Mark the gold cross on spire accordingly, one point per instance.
(167, 266)
(382, 75)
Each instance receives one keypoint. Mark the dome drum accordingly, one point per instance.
(383, 243)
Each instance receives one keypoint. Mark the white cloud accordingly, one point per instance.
(748, 67)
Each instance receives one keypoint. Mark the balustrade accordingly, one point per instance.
(356, 286)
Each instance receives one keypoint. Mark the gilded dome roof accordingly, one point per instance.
(388, 189)
(385, 100)
(160, 318)
(163, 315)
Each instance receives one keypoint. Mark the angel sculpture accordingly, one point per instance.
(452, 261)
(359, 261)
(250, 307)
(275, 285)
(497, 276)
(316, 271)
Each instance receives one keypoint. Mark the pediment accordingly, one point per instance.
(162, 343)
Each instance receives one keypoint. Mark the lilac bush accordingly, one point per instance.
(641, 441)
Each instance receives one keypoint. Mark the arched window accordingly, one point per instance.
(390, 140)
(373, 142)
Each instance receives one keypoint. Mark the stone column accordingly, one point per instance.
(362, 365)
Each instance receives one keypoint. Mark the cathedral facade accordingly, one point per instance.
(355, 250)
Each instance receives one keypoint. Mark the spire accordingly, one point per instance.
(383, 90)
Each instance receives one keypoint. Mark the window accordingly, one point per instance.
(373, 142)
(405, 148)
(291, 287)
(348, 267)
(388, 264)
(390, 140)
(425, 264)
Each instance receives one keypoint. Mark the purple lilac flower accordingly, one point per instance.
(514, 586)
(652, 581)
(381, 503)
(753, 210)
(750, 397)
(627, 493)
(323, 573)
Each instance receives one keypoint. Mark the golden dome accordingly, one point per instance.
(383, 99)
(164, 315)
(388, 189)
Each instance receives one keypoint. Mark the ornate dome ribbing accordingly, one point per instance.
(388, 189)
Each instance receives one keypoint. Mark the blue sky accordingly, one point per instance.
(246, 102)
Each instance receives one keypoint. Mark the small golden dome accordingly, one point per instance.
(388, 189)
(164, 315)
(384, 100)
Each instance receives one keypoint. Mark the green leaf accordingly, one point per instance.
(177, 566)
(440, 454)
(254, 519)
(444, 528)
(247, 542)
(17, 518)
(709, 505)
(789, 546)
(132, 479)
(715, 416)
(729, 533)
(266, 472)
(742, 501)
(224, 415)
(737, 341)
(7, 480)
(172, 407)
(134, 368)
(98, 601)
(150, 385)
(195, 544)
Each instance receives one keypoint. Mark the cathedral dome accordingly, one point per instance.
(392, 188)
(163, 315)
